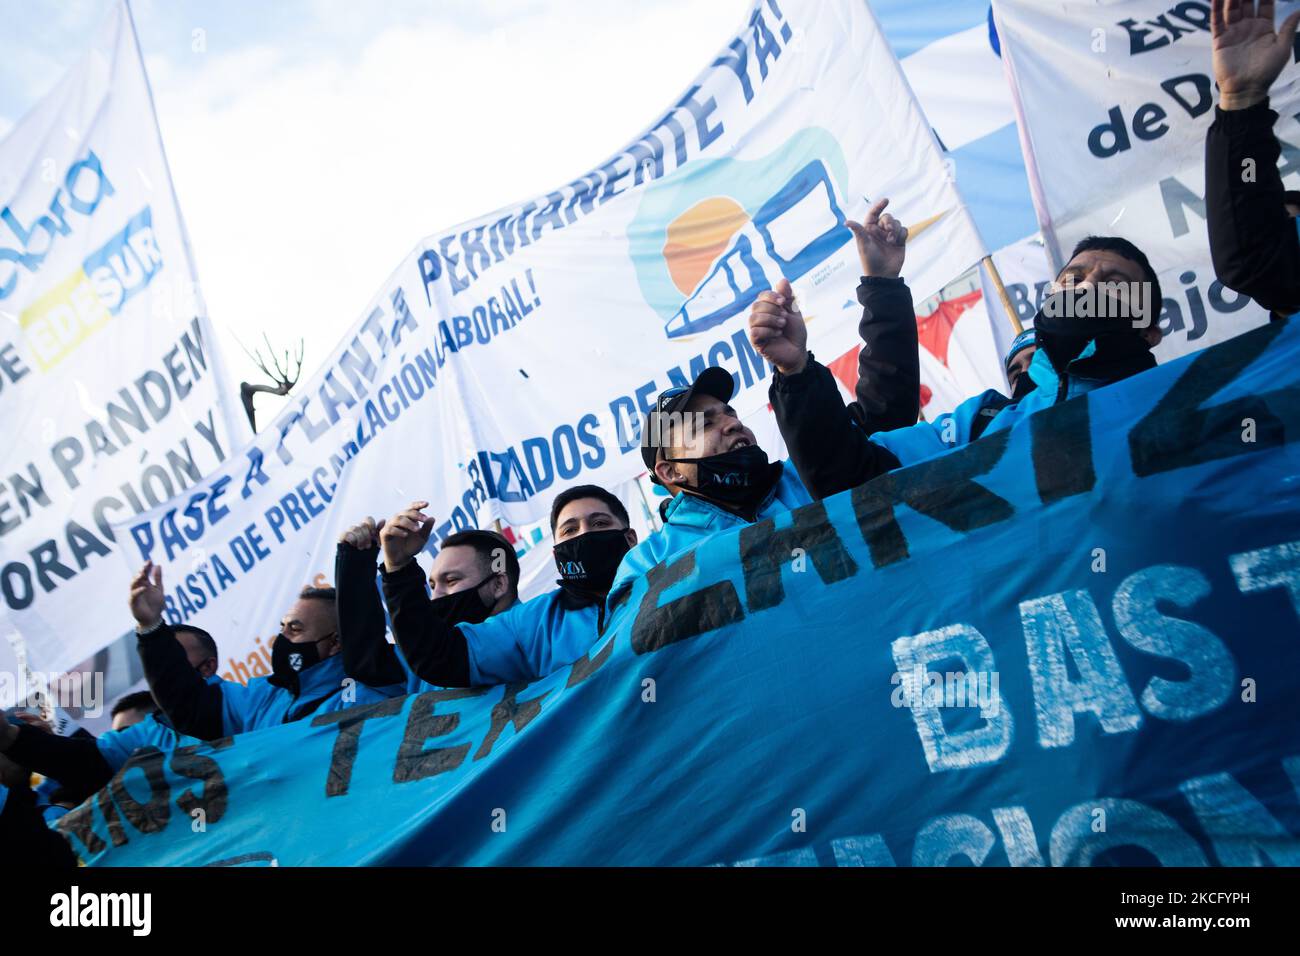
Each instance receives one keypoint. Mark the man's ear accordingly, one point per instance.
(630, 535)
(208, 668)
(667, 473)
(1152, 334)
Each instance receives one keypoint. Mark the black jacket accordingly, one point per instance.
(826, 438)
(192, 705)
(367, 655)
(26, 839)
(1253, 240)
(436, 651)
(75, 762)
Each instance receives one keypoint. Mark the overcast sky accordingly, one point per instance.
(314, 142)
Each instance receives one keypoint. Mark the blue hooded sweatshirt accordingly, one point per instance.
(321, 690)
(525, 642)
(115, 746)
(955, 429)
(689, 518)
(531, 639)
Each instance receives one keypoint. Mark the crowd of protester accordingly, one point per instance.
(468, 626)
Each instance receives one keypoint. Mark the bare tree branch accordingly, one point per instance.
(283, 375)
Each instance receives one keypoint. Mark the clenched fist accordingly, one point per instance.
(363, 536)
(777, 330)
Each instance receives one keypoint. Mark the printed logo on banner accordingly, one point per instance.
(75, 200)
(62, 319)
(707, 241)
(80, 304)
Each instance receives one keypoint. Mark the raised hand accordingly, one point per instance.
(1248, 54)
(404, 535)
(882, 242)
(147, 595)
(363, 536)
(777, 329)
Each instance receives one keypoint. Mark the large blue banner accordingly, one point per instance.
(1074, 642)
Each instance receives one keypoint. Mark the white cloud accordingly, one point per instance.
(304, 181)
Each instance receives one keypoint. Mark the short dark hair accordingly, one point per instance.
(139, 700)
(487, 544)
(310, 593)
(587, 491)
(205, 639)
(1122, 247)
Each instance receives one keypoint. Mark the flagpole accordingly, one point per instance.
(987, 262)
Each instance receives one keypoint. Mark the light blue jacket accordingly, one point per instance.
(953, 430)
(115, 746)
(689, 519)
(259, 703)
(524, 642)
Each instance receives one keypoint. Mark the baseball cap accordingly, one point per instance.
(714, 381)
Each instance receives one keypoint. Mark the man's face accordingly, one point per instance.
(311, 620)
(1095, 266)
(1020, 365)
(196, 654)
(455, 569)
(582, 515)
(709, 427)
(128, 718)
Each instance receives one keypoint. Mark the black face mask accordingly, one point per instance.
(589, 561)
(1024, 385)
(465, 606)
(1063, 328)
(739, 478)
(288, 659)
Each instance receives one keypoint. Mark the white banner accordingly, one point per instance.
(959, 346)
(113, 398)
(513, 356)
(1026, 274)
(1114, 100)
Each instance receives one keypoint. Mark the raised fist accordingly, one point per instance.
(777, 330)
(363, 536)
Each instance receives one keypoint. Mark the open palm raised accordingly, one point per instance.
(1248, 53)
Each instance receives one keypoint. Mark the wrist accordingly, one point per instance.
(1241, 99)
(796, 367)
(146, 627)
(393, 567)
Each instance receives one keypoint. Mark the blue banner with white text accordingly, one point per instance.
(1074, 642)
